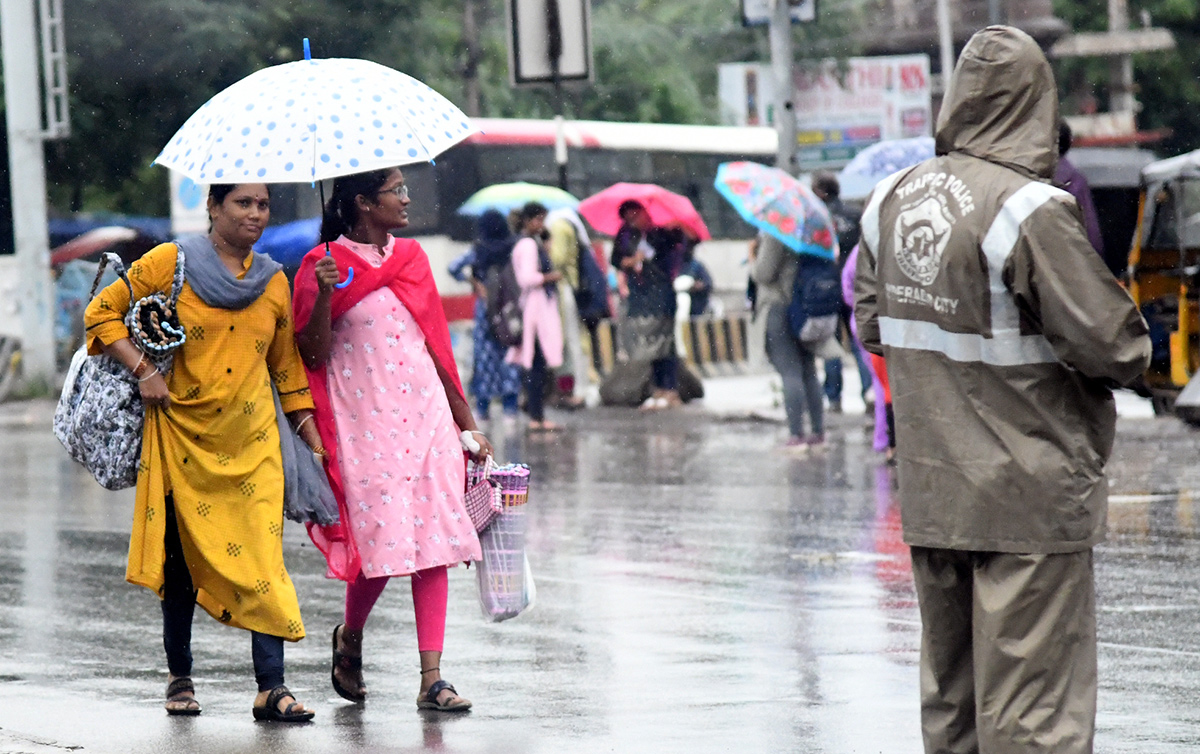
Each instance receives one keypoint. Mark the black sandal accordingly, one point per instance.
(349, 663)
(271, 713)
(182, 690)
(429, 700)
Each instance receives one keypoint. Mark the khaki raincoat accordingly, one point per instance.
(1003, 331)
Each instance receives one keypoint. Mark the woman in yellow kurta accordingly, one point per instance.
(208, 522)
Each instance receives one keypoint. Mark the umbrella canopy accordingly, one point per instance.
(775, 202)
(288, 243)
(665, 208)
(314, 119)
(878, 161)
(505, 197)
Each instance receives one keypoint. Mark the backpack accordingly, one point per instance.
(816, 300)
(591, 298)
(504, 315)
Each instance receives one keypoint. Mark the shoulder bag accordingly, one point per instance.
(100, 413)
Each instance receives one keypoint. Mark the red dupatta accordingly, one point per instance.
(407, 273)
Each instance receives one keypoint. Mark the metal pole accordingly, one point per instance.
(27, 176)
(555, 51)
(1120, 83)
(946, 45)
(780, 34)
(994, 15)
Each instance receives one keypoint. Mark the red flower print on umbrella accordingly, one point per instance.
(775, 202)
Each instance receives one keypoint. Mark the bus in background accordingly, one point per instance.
(681, 158)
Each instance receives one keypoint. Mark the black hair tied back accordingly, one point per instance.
(341, 211)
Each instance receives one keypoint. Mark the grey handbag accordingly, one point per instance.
(100, 413)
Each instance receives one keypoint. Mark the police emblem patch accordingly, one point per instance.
(921, 235)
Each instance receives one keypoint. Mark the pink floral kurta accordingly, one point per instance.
(401, 459)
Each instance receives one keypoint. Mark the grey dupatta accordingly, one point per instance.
(215, 284)
(306, 492)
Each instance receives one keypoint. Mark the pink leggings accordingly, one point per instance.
(430, 590)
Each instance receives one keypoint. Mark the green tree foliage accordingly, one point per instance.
(1168, 82)
(139, 69)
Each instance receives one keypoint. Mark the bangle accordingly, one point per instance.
(143, 379)
(302, 421)
(320, 451)
(137, 367)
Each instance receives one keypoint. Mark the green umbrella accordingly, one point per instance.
(505, 197)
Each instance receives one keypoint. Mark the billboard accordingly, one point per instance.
(839, 110)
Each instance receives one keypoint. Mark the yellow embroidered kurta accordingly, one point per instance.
(215, 450)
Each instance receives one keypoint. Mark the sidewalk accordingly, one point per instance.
(760, 396)
(747, 396)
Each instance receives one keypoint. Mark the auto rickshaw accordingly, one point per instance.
(1164, 280)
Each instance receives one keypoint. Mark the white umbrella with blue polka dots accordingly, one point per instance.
(314, 119)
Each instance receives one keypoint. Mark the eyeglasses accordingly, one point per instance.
(400, 191)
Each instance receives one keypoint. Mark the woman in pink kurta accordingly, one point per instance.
(391, 411)
(541, 336)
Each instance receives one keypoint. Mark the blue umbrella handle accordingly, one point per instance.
(349, 273)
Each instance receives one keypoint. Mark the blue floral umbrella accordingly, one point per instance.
(773, 201)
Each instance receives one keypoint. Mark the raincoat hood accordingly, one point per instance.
(1002, 104)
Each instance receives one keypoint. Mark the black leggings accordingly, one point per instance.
(535, 385)
(178, 606)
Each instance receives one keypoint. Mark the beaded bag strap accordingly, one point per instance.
(115, 261)
(177, 283)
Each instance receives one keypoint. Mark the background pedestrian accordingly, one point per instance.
(773, 268)
(491, 376)
(649, 259)
(541, 346)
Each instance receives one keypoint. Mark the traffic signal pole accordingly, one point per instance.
(780, 36)
(27, 177)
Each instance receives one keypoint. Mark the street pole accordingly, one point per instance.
(555, 51)
(994, 15)
(946, 45)
(780, 35)
(1120, 82)
(27, 177)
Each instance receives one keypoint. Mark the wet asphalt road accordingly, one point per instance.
(698, 591)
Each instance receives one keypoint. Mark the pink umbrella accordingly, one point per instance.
(665, 207)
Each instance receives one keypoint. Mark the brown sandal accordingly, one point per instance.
(348, 663)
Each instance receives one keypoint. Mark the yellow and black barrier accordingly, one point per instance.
(713, 346)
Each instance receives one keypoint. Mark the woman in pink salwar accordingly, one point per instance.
(541, 346)
(393, 420)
